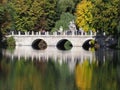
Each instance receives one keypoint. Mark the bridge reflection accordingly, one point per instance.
(76, 54)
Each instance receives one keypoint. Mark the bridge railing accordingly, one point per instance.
(72, 33)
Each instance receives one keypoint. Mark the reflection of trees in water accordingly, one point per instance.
(103, 54)
(118, 67)
(51, 75)
(98, 75)
(104, 77)
(35, 75)
(107, 70)
(0, 54)
(83, 74)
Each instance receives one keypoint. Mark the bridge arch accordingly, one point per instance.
(64, 44)
(88, 44)
(39, 44)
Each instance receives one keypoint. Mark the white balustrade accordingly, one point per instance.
(73, 33)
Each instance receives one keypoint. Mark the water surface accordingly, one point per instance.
(27, 69)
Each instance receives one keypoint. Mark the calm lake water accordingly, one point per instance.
(27, 69)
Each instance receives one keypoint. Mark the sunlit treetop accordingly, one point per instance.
(83, 15)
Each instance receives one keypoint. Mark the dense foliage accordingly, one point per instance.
(37, 15)
(106, 15)
(22, 15)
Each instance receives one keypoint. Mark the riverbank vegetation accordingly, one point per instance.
(39, 15)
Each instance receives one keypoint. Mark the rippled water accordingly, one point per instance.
(27, 69)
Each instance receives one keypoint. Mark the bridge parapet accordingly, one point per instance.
(65, 33)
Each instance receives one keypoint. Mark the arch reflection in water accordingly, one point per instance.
(70, 57)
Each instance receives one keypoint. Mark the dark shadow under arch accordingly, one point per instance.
(64, 44)
(39, 44)
(86, 45)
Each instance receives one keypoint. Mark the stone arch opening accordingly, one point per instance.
(90, 43)
(64, 44)
(39, 44)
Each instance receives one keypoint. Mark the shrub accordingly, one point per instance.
(10, 41)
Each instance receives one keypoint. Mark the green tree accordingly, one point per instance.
(4, 21)
(1, 20)
(64, 21)
(66, 5)
(24, 14)
(105, 15)
(47, 20)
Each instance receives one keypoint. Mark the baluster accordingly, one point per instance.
(72, 33)
(12, 33)
(55, 33)
(95, 33)
(28, 33)
(81, 33)
(39, 32)
(32, 33)
(47, 33)
(64, 33)
(36, 33)
(91, 33)
(19, 33)
(25, 33)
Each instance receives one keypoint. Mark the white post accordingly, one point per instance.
(28, 33)
(12, 33)
(39, 32)
(64, 33)
(32, 33)
(104, 33)
(47, 33)
(91, 33)
(72, 33)
(55, 33)
(25, 33)
(81, 32)
(19, 33)
(36, 33)
(95, 33)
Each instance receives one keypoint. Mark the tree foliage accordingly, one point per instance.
(83, 15)
(64, 21)
(105, 15)
(66, 5)
(31, 14)
(25, 13)
(48, 18)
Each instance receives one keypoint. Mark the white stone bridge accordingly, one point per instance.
(77, 39)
